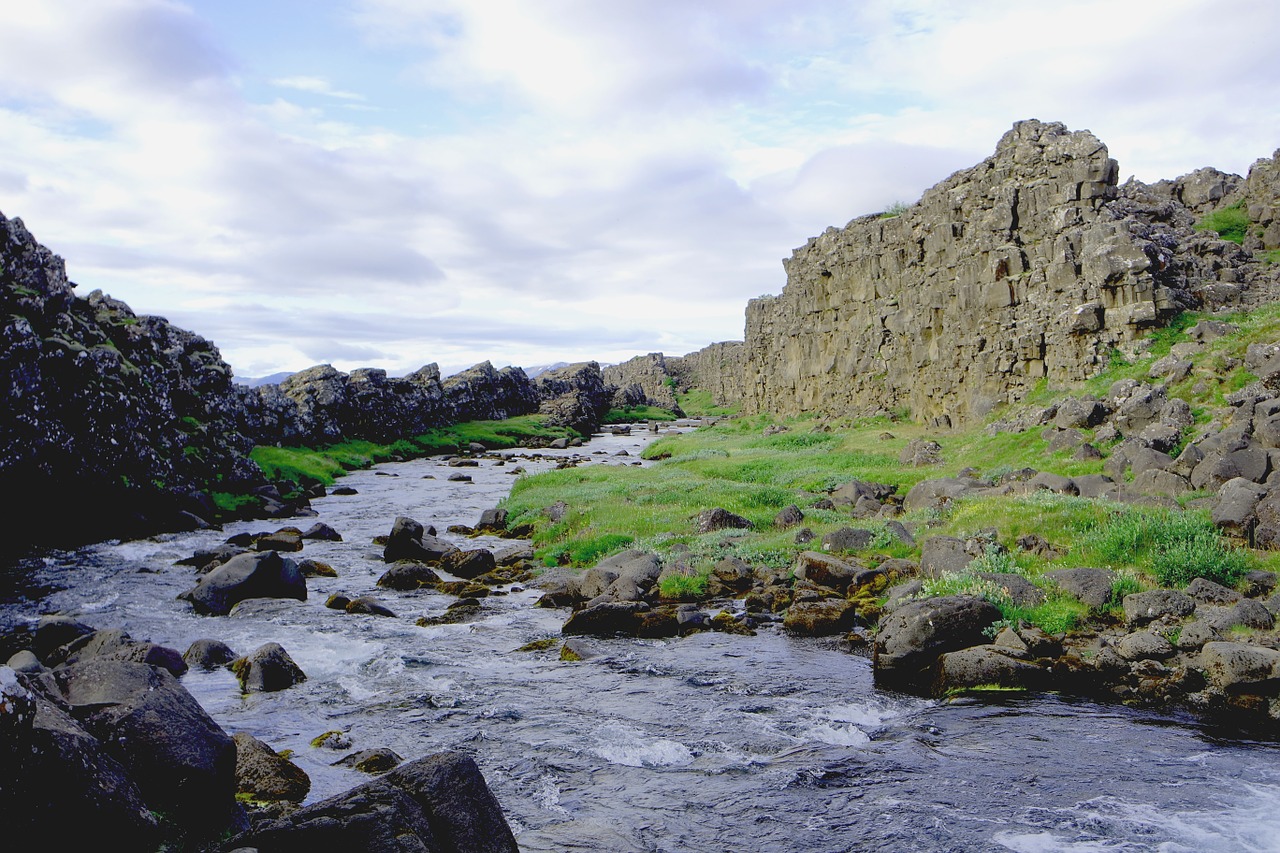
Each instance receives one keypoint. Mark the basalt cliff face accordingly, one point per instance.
(1034, 264)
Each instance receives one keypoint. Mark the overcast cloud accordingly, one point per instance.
(388, 183)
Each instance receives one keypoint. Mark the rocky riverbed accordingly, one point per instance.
(771, 741)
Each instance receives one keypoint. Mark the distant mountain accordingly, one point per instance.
(254, 382)
(533, 372)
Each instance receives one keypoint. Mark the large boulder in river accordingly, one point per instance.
(60, 782)
(267, 669)
(437, 804)
(264, 774)
(409, 540)
(181, 760)
(912, 638)
(820, 618)
(250, 575)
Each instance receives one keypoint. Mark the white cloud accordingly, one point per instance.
(561, 180)
(315, 86)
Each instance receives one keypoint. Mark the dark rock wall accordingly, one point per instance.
(120, 416)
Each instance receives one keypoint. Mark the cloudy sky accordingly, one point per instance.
(393, 182)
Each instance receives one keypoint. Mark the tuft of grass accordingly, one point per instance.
(1231, 222)
(684, 586)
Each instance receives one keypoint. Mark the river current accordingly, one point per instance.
(707, 743)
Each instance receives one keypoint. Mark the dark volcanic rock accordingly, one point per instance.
(437, 804)
(268, 668)
(264, 774)
(912, 637)
(250, 575)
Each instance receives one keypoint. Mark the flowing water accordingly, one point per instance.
(707, 743)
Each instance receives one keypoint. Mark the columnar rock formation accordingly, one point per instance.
(718, 368)
(1032, 265)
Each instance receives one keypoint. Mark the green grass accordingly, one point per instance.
(684, 586)
(1231, 223)
(637, 414)
(697, 403)
(328, 463)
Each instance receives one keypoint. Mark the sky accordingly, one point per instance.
(388, 183)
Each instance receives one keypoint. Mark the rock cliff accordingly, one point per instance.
(122, 417)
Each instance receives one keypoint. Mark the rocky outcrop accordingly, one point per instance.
(1261, 197)
(719, 368)
(1033, 264)
(575, 396)
(127, 416)
(645, 380)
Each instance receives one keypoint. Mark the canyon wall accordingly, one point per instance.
(1034, 264)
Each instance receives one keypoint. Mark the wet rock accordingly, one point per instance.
(267, 669)
(210, 558)
(469, 564)
(316, 569)
(408, 575)
(181, 760)
(409, 540)
(344, 490)
(820, 618)
(208, 654)
(115, 644)
(578, 649)
(1091, 586)
(322, 532)
(332, 739)
(374, 761)
(58, 778)
(1143, 607)
(25, 661)
(606, 619)
(55, 631)
(492, 520)
(437, 803)
(337, 601)
(914, 635)
(284, 539)
(367, 605)
(250, 575)
(988, 665)
(710, 520)
(264, 774)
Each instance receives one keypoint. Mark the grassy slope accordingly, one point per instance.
(735, 466)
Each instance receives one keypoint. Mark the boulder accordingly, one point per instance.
(437, 804)
(249, 575)
(408, 575)
(316, 569)
(180, 759)
(788, 517)
(980, 666)
(409, 540)
(1143, 645)
(942, 554)
(285, 539)
(939, 494)
(1241, 668)
(378, 760)
(1235, 511)
(847, 539)
(208, 654)
(1206, 591)
(322, 532)
(267, 669)
(55, 631)
(1143, 607)
(115, 644)
(1022, 592)
(60, 782)
(469, 564)
(1091, 586)
(367, 605)
(606, 619)
(710, 520)
(264, 774)
(913, 636)
(820, 618)
(920, 452)
(825, 570)
(492, 520)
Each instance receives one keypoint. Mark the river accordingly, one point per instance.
(707, 743)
